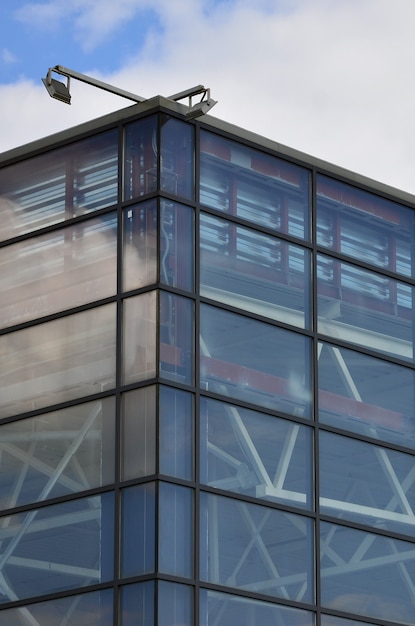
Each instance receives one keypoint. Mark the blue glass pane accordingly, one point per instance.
(176, 433)
(253, 185)
(139, 337)
(137, 604)
(365, 308)
(367, 484)
(255, 454)
(366, 574)
(59, 185)
(224, 609)
(253, 361)
(175, 550)
(139, 245)
(177, 245)
(138, 428)
(365, 226)
(175, 604)
(256, 548)
(138, 528)
(57, 547)
(176, 338)
(140, 158)
(255, 272)
(367, 395)
(177, 157)
(88, 609)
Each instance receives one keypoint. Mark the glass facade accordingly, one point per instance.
(207, 385)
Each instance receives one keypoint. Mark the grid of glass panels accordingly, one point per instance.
(166, 384)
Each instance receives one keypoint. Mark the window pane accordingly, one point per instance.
(59, 270)
(139, 338)
(379, 490)
(367, 574)
(366, 395)
(365, 308)
(57, 453)
(140, 245)
(58, 547)
(329, 620)
(176, 433)
(365, 226)
(256, 548)
(88, 609)
(175, 604)
(175, 548)
(256, 362)
(59, 185)
(223, 609)
(140, 157)
(66, 358)
(176, 338)
(138, 419)
(177, 245)
(138, 528)
(253, 185)
(177, 157)
(253, 271)
(137, 604)
(255, 454)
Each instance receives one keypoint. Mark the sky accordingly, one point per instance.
(331, 78)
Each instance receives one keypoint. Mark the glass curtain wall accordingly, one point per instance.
(207, 390)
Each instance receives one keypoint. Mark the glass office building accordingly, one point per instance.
(207, 382)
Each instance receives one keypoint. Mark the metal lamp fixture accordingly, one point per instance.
(61, 91)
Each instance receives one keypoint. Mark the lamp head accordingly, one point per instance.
(56, 89)
(200, 108)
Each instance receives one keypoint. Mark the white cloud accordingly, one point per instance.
(8, 57)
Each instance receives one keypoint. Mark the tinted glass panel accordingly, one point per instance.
(140, 245)
(175, 604)
(247, 359)
(330, 620)
(138, 528)
(58, 271)
(66, 358)
(58, 547)
(137, 604)
(256, 548)
(365, 308)
(365, 226)
(57, 453)
(253, 271)
(177, 157)
(223, 609)
(176, 433)
(140, 158)
(139, 339)
(366, 395)
(138, 419)
(176, 245)
(59, 185)
(176, 338)
(88, 609)
(367, 484)
(255, 454)
(367, 574)
(253, 185)
(175, 548)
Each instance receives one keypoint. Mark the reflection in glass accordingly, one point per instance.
(59, 185)
(176, 245)
(224, 609)
(367, 574)
(176, 338)
(255, 272)
(256, 548)
(253, 185)
(138, 528)
(365, 226)
(177, 157)
(175, 549)
(255, 454)
(137, 604)
(176, 433)
(140, 157)
(70, 357)
(57, 453)
(138, 427)
(57, 547)
(380, 489)
(364, 308)
(140, 245)
(57, 271)
(175, 604)
(330, 620)
(253, 361)
(139, 337)
(366, 395)
(88, 609)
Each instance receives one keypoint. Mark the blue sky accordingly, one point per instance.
(332, 78)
